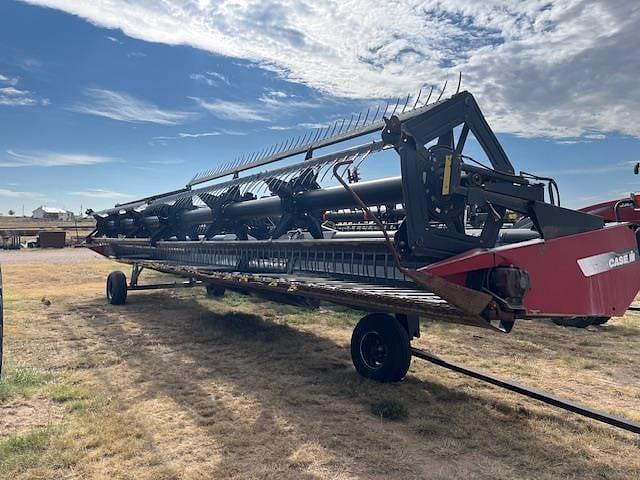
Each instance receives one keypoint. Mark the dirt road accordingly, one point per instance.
(176, 385)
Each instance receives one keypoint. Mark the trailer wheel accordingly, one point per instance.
(580, 322)
(214, 290)
(117, 288)
(380, 348)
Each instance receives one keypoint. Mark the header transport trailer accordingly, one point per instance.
(245, 228)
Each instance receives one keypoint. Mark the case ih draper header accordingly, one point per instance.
(398, 248)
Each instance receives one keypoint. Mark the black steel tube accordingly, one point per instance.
(531, 392)
(374, 192)
(387, 190)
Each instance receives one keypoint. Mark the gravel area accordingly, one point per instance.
(48, 255)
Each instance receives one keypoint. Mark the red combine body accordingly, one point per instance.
(626, 209)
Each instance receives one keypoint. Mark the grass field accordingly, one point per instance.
(176, 385)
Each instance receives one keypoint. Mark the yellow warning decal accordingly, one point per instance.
(446, 179)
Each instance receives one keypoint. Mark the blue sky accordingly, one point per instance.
(101, 102)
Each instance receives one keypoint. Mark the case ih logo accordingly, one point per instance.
(604, 262)
(619, 260)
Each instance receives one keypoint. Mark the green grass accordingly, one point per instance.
(21, 381)
(23, 450)
(389, 410)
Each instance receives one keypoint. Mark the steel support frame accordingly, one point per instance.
(136, 271)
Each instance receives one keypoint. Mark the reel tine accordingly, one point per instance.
(342, 125)
(429, 97)
(444, 87)
(396, 107)
(406, 103)
(327, 168)
(375, 117)
(271, 150)
(333, 130)
(289, 143)
(307, 137)
(357, 121)
(386, 108)
(459, 82)
(319, 131)
(364, 122)
(417, 99)
(349, 125)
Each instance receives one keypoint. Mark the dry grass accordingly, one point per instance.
(176, 385)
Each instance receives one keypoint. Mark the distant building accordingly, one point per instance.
(52, 213)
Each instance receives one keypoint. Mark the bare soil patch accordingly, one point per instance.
(23, 414)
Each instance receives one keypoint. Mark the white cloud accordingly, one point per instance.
(227, 110)
(198, 135)
(538, 67)
(595, 136)
(15, 158)
(276, 99)
(99, 193)
(125, 108)
(11, 96)
(304, 126)
(8, 80)
(162, 140)
(210, 78)
(173, 161)
(5, 192)
(113, 39)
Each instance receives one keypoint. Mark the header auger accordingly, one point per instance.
(450, 238)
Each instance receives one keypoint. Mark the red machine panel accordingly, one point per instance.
(589, 274)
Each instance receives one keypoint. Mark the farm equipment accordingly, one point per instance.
(408, 251)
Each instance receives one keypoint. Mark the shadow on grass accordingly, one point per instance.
(307, 381)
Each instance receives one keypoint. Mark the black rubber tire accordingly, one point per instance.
(117, 288)
(380, 348)
(215, 290)
(580, 322)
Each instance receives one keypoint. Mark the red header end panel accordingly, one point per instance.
(589, 274)
(607, 211)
